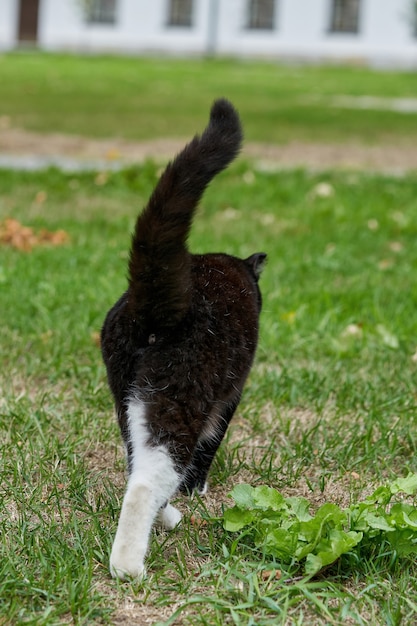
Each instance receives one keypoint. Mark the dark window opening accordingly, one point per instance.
(180, 13)
(101, 11)
(345, 16)
(261, 14)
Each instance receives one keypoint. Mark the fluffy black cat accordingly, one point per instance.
(178, 345)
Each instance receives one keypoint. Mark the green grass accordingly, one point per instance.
(329, 411)
(140, 98)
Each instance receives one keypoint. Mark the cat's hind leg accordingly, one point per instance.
(152, 481)
(206, 448)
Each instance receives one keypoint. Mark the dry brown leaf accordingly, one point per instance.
(101, 178)
(41, 197)
(271, 573)
(95, 337)
(197, 521)
(385, 264)
(396, 246)
(24, 238)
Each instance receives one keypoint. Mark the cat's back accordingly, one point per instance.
(226, 287)
(213, 347)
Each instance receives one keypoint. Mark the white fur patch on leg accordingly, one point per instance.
(169, 517)
(152, 482)
(131, 541)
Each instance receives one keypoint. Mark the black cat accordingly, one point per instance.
(178, 345)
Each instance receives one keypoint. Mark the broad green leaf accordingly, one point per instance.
(269, 519)
(411, 519)
(243, 496)
(280, 543)
(268, 498)
(327, 514)
(331, 513)
(235, 519)
(403, 515)
(407, 485)
(358, 515)
(300, 508)
(411, 523)
(378, 522)
(330, 549)
(382, 495)
(404, 542)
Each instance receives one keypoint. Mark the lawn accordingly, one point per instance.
(140, 98)
(329, 412)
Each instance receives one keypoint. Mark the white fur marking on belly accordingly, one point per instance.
(152, 482)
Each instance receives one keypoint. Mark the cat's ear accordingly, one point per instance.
(256, 262)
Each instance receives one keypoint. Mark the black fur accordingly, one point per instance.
(183, 336)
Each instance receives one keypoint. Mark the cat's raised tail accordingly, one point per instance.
(160, 264)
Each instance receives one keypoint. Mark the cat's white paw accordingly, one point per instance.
(169, 517)
(125, 564)
(203, 491)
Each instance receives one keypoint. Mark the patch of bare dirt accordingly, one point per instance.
(20, 142)
(390, 158)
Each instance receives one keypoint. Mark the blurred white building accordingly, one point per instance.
(376, 32)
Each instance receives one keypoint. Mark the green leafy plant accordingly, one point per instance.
(285, 529)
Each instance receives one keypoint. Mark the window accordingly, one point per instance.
(261, 14)
(345, 16)
(180, 13)
(101, 11)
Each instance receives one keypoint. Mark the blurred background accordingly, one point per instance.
(376, 32)
(95, 96)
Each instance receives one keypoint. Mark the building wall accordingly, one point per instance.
(141, 26)
(8, 23)
(301, 31)
(385, 35)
